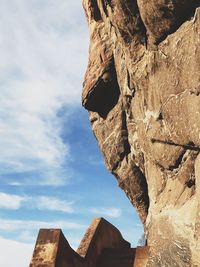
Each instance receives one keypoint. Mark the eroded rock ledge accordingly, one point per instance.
(142, 90)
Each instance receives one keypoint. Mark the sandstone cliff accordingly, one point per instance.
(142, 91)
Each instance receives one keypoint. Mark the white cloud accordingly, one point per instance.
(54, 204)
(12, 202)
(15, 253)
(43, 56)
(109, 212)
(25, 225)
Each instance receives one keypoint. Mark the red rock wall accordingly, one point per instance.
(142, 90)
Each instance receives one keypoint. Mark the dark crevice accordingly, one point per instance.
(105, 94)
(178, 162)
(189, 146)
(127, 148)
(135, 186)
(104, 4)
(161, 18)
(190, 183)
(144, 197)
(196, 93)
(109, 3)
(126, 145)
(95, 11)
(160, 117)
(181, 13)
(131, 11)
(129, 80)
(128, 21)
(136, 189)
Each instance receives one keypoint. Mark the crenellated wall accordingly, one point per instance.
(101, 246)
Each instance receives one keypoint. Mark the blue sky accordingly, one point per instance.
(52, 173)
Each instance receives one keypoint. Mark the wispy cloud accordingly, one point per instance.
(43, 57)
(13, 225)
(41, 68)
(14, 202)
(109, 212)
(54, 204)
(8, 201)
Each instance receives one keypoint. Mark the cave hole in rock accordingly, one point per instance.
(188, 12)
(183, 11)
(104, 95)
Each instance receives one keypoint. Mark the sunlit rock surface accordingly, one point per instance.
(142, 90)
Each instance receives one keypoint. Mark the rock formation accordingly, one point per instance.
(142, 91)
(101, 246)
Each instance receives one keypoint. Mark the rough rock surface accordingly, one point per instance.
(142, 90)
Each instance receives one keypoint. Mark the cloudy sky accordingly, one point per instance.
(52, 174)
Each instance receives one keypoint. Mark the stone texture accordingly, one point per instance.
(101, 246)
(53, 250)
(142, 90)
